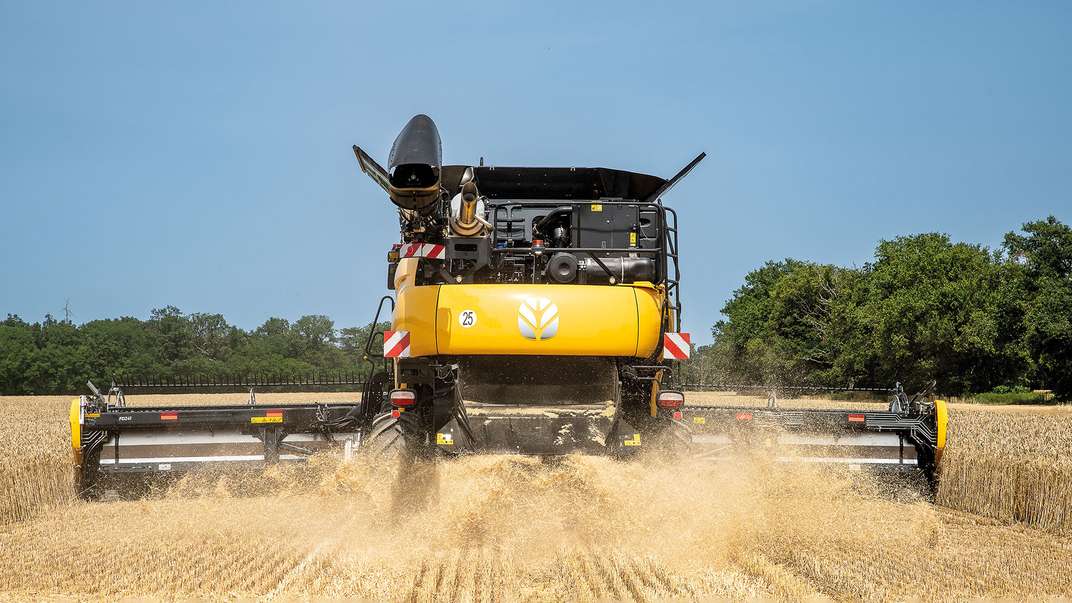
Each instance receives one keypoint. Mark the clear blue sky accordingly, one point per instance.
(198, 153)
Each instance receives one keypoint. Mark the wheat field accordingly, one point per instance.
(501, 528)
(1012, 464)
(35, 444)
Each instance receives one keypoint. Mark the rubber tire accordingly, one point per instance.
(391, 436)
(395, 442)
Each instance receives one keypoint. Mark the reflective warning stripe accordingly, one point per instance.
(849, 460)
(262, 420)
(676, 346)
(197, 459)
(396, 344)
(181, 438)
(431, 251)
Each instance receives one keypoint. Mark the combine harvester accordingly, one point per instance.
(536, 311)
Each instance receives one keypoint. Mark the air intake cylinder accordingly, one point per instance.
(414, 165)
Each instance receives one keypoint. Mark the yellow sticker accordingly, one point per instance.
(634, 441)
(597, 207)
(699, 420)
(266, 419)
(632, 239)
(92, 415)
(444, 439)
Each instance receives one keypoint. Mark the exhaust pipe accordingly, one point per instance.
(465, 219)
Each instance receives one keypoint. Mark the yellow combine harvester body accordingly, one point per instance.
(537, 311)
(591, 320)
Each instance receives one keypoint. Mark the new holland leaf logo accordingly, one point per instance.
(537, 318)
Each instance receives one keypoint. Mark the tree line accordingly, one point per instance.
(56, 356)
(972, 318)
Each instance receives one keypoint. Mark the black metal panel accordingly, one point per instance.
(319, 382)
(294, 419)
(509, 434)
(606, 226)
(811, 420)
(554, 182)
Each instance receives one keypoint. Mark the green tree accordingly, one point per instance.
(211, 336)
(933, 307)
(745, 339)
(58, 357)
(792, 322)
(352, 342)
(1045, 248)
(17, 350)
(315, 339)
(813, 323)
(1043, 254)
(175, 334)
(123, 347)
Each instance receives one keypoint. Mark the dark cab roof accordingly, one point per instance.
(554, 182)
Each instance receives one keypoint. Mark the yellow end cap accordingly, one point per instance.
(76, 424)
(941, 419)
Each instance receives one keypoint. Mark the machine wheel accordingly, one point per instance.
(397, 443)
(393, 436)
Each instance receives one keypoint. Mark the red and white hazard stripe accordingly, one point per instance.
(676, 346)
(430, 251)
(396, 344)
(434, 251)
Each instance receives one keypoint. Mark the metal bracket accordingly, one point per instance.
(272, 438)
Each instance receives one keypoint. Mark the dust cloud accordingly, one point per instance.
(570, 527)
(491, 528)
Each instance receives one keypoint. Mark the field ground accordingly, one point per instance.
(507, 528)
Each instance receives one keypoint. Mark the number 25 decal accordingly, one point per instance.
(467, 318)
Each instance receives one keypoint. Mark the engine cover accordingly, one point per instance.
(525, 319)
